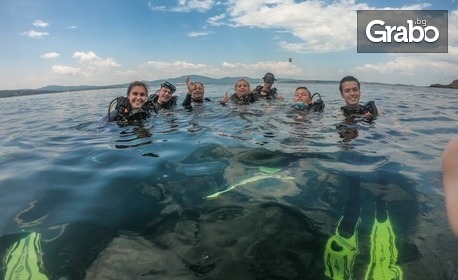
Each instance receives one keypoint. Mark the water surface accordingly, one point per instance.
(129, 202)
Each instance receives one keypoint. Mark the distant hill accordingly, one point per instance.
(154, 83)
(453, 84)
(55, 89)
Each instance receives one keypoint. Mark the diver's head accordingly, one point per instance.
(169, 86)
(198, 92)
(137, 93)
(348, 79)
(269, 78)
(350, 90)
(302, 94)
(165, 92)
(242, 88)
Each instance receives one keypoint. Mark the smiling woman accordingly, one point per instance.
(132, 108)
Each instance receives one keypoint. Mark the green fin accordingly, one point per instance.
(23, 259)
(384, 254)
(340, 254)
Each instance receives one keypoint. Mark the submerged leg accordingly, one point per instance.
(342, 248)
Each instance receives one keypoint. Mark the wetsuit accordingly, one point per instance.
(169, 105)
(124, 114)
(188, 99)
(271, 94)
(247, 99)
(360, 110)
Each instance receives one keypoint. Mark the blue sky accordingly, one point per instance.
(104, 42)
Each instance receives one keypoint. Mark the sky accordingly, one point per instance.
(106, 42)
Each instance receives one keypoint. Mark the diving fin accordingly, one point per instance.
(23, 259)
(384, 253)
(340, 254)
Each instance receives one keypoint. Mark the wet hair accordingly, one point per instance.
(298, 88)
(137, 83)
(348, 79)
(235, 86)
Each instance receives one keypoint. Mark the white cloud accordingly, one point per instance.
(452, 30)
(72, 27)
(92, 69)
(432, 67)
(156, 7)
(49, 55)
(160, 69)
(198, 34)
(160, 65)
(35, 34)
(193, 5)
(293, 47)
(91, 59)
(254, 69)
(39, 23)
(318, 26)
(66, 70)
(217, 20)
(183, 6)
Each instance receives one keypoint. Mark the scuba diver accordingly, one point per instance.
(350, 90)
(353, 111)
(242, 95)
(196, 93)
(342, 248)
(267, 91)
(303, 100)
(164, 98)
(132, 108)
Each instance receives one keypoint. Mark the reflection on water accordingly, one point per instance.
(295, 195)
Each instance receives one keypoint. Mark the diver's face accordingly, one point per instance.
(350, 93)
(302, 95)
(137, 97)
(242, 88)
(268, 83)
(165, 94)
(198, 93)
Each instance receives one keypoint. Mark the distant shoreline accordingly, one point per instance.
(25, 92)
(179, 80)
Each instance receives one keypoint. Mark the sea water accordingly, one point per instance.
(131, 202)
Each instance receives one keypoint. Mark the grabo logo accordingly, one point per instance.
(402, 31)
(414, 32)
